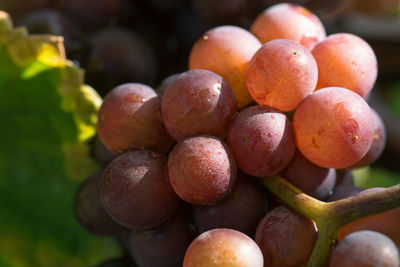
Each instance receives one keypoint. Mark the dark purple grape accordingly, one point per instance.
(286, 238)
(164, 246)
(262, 140)
(119, 56)
(313, 180)
(101, 153)
(344, 178)
(90, 212)
(364, 249)
(130, 118)
(198, 102)
(201, 170)
(135, 190)
(343, 192)
(240, 210)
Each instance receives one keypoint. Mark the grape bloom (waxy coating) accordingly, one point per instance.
(281, 74)
(130, 118)
(198, 102)
(135, 190)
(262, 140)
(333, 127)
(201, 169)
(288, 21)
(226, 50)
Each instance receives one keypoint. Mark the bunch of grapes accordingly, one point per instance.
(284, 99)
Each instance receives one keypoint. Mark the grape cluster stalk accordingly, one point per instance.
(331, 216)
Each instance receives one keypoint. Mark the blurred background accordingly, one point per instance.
(145, 41)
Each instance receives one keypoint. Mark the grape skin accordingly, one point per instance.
(262, 140)
(223, 248)
(90, 212)
(346, 60)
(313, 180)
(281, 74)
(288, 21)
(364, 249)
(198, 102)
(333, 127)
(130, 118)
(201, 169)
(283, 232)
(135, 190)
(240, 210)
(226, 50)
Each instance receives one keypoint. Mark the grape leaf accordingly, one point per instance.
(46, 117)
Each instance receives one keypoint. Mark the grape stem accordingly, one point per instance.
(329, 217)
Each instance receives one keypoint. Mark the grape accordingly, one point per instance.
(119, 56)
(262, 140)
(378, 143)
(165, 83)
(363, 249)
(164, 246)
(130, 118)
(386, 223)
(285, 238)
(223, 248)
(313, 180)
(344, 178)
(342, 192)
(219, 11)
(241, 210)
(90, 212)
(135, 190)
(288, 21)
(101, 153)
(201, 169)
(51, 21)
(198, 102)
(94, 14)
(226, 50)
(333, 127)
(281, 74)
(346, 60)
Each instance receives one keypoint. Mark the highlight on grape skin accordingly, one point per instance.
(281, 74)
(226, 50)
(365, 248)
(333, 127)
(201, 169)
(135, 190)
(206, 104)
(283, 232)
(130, 118)
(262, 140)
(289, 21)
(346, 60)
(223, 248)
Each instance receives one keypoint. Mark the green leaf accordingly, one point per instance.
(46, 117)
(375, 177)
